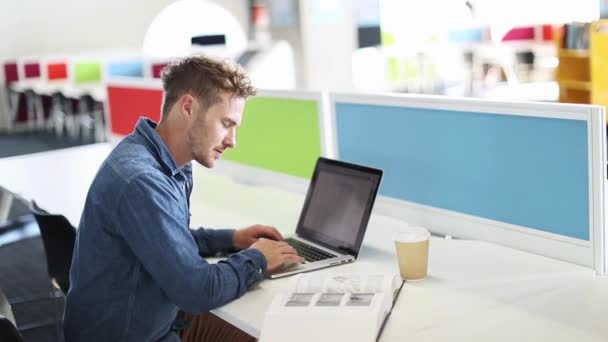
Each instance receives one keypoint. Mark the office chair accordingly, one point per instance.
(58, 238)
(8, 330)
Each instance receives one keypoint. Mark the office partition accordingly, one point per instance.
(11, 71)
(281, 131)
(527, 175)
(157, 69)
(128, 67)
(130, 99)
(85, 71)
(31, 69)
(282, 134)
(57, 71)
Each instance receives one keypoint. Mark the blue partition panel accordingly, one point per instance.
(524, 170)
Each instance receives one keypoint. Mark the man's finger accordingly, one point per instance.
(293, 258)
(277, 233)
(282, 243)
(287, 249)
(270, 232)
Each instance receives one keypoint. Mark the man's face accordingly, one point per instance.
(213, 131)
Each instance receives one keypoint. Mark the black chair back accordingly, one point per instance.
(58, 237)
(8, 331)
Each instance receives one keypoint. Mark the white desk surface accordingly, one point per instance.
(476, 291)
(57, 180)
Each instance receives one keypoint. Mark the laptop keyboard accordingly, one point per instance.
(308, 252)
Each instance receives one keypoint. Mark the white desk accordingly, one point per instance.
(476, 291)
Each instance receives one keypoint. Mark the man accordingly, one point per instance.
(136, 262)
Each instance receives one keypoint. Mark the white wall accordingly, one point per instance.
(8, 23)
(329, 37)
(39, 27)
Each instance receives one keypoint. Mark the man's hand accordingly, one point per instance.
(244, 238)
(277, 253)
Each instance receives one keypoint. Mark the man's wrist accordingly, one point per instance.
(258, 258)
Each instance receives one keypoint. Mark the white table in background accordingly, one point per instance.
(57, 180)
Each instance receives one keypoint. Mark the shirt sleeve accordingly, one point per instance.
(151, 218)
(213, 241)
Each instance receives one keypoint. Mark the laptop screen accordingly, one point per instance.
(338, 205)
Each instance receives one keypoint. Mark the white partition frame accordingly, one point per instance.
(590, 253)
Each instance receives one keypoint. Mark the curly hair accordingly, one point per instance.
(204, 78)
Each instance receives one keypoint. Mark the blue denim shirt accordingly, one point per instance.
(136, 261)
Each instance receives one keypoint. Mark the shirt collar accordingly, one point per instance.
(145, 128)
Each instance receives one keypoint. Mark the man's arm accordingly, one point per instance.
(213, 241)
(153, 222)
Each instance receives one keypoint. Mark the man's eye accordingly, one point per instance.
(226, 124)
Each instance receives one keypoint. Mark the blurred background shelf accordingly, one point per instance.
(572, 53)
(582, 75)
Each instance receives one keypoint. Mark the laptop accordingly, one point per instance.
(335, 215)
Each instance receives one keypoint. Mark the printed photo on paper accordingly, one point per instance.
(299, 299)
(330, 299)
(360, 299)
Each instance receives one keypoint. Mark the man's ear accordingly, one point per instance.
(186, 103)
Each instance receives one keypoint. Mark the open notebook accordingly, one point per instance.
(339, 307)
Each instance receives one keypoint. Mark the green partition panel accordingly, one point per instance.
(87, 71)
(279, 134)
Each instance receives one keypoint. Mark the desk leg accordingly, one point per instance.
(209, 327)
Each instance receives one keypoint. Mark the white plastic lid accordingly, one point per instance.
(412, 234)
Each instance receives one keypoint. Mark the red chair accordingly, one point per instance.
(16, 101)
(51, 100)
(35, 116)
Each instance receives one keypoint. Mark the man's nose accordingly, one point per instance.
(230, 140)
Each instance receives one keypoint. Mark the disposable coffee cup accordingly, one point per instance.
(412, 245)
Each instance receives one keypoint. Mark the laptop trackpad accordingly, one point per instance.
(290, 266)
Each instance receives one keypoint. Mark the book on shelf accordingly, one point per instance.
(576, 36)
(338, 307)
